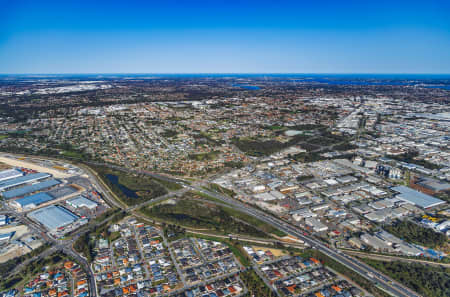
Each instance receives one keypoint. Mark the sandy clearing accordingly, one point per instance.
(25, 164)
(4, 166)
(19, 229)
(276, 252)
(14, 251)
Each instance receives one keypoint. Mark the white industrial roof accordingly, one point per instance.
(53, 217)
(417, 198)
(9, 173)
(81, 201)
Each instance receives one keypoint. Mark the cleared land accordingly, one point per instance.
(34, 166)
(275, 252)
(4, 166)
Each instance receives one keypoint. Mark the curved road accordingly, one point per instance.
(382, 281)
(387, 284)
(378, 279)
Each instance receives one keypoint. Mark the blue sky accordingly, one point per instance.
(225, 36)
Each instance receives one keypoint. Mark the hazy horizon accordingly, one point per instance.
(67, 37)
(228, 73)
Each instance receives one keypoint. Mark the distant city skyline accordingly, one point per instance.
(225, 37)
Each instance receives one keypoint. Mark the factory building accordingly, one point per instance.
(417, 198)
(6, 236)
(81, 201)
(9, 174)
(21, 180)
(30, 189)
(316, 224)
(429, 186)
(53, 217)
(31, 201)
(3, 220)
(376, 243)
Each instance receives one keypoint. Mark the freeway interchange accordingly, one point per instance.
(368, 272)
(378, 279)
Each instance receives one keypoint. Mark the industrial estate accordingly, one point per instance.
(222, 185)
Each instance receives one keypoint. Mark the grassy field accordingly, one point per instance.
(73, 154)
(219, 189)
(130, 188)
(200, 215)
(258, 148)
(250, 219)
(207, 197)
(169, 133)
(31, 270)
(169, 185)
(242, 216)
(314, 137)
(255, 285)
(8, 266)
(204, 156)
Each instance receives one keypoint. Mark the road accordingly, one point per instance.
(389, 258)
(382, 281)
(385, 283)
(59, 245)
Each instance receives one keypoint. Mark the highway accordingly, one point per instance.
(382, 281)
(389, 258)
(387, 284)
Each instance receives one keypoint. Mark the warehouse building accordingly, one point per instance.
(30, 189)
(53, 217)
(81, 201)
(3, 220)
(9, 174)
(6, 236)
(61, 192)
(430, 186)
(376, 243)
(316, 224)
(21, 180)
(31, 201)
(417, 198)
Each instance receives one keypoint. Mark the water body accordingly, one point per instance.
(353, 82)
(248, 87)
(114, 179)
(439, 87)
(292, 132)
